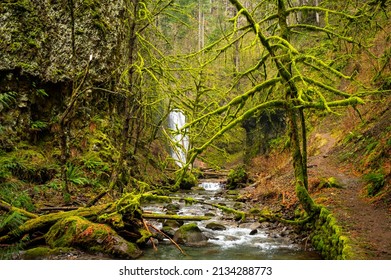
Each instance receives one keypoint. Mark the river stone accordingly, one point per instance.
(253, 232)
(168, 231)
(190, 235)
(172, 207)
(172, 223)
(255, 225)
(210, 214)
(215, 226)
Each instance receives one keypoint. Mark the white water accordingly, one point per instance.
(176, 121)
(211, 186)
(235, 242)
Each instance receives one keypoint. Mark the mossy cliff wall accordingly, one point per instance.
(328, 239)
(45, 48)
(53, 39)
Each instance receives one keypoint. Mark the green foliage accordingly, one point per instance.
(237, 177)
(14, 193)
(330, 182)
(41, 92)
(39, 125)
(93, 162)
(27, 165)
(11, 221)
(187, 181)
(375, 183)
(76, 175)
(7, 99)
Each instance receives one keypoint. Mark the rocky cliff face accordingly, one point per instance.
(45, 46)
(53, 39)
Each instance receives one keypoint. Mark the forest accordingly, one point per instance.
(163, 129)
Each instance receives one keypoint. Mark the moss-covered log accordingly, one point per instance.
(9, 208)
(174, 217)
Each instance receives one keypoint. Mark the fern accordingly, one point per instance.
(12, 221)
(38, 125)
(76, 176)
(6, 99)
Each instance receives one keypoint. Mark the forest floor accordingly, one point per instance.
(366, 221)
(367, 224)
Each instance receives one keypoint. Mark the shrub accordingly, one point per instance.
(375, 182)
(237, 177)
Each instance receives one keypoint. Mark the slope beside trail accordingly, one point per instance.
(367, 225)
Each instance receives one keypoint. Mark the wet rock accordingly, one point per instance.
(255, 225)
(172, 207)
(191, 235)
(168, 231)
(215, 226)
(210, 214)
(253, 232)
(239, 205)
(172, 223)
(244, 225)
(264, 225)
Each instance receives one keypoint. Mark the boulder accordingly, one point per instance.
(78, 232)
(215, 226)
(190, 235)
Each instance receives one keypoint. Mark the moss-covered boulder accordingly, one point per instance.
(190, 235)
(78, 232)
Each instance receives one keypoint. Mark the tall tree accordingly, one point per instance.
(294, 78)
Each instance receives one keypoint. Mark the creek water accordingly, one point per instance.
(235, 242)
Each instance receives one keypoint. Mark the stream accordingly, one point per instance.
(235, 242)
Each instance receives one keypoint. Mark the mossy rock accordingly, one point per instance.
(40, 253)
(215, 226)
(190, 235)
(78, 232)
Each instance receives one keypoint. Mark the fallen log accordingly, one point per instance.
(9, 208)
(45, 221)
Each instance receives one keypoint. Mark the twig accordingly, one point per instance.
(151, 238)
(169, 238)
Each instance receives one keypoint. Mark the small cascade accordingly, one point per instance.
(176, 121)
(211, 186)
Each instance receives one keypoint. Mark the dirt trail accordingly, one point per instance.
(368, 225)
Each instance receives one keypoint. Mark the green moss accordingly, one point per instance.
(145, 235)
(188, 181)
(188, 227)
(305, 200)
(237, 177)
(327, 237)
(150, 197)
(330, 182)
(79, 232)
(44, 252)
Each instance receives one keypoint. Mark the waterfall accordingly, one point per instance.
(176, 121)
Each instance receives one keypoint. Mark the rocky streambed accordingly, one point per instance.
(224, 236)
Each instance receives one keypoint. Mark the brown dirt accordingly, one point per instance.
(367, 224)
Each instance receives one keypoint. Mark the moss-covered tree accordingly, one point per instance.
(289, 77)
